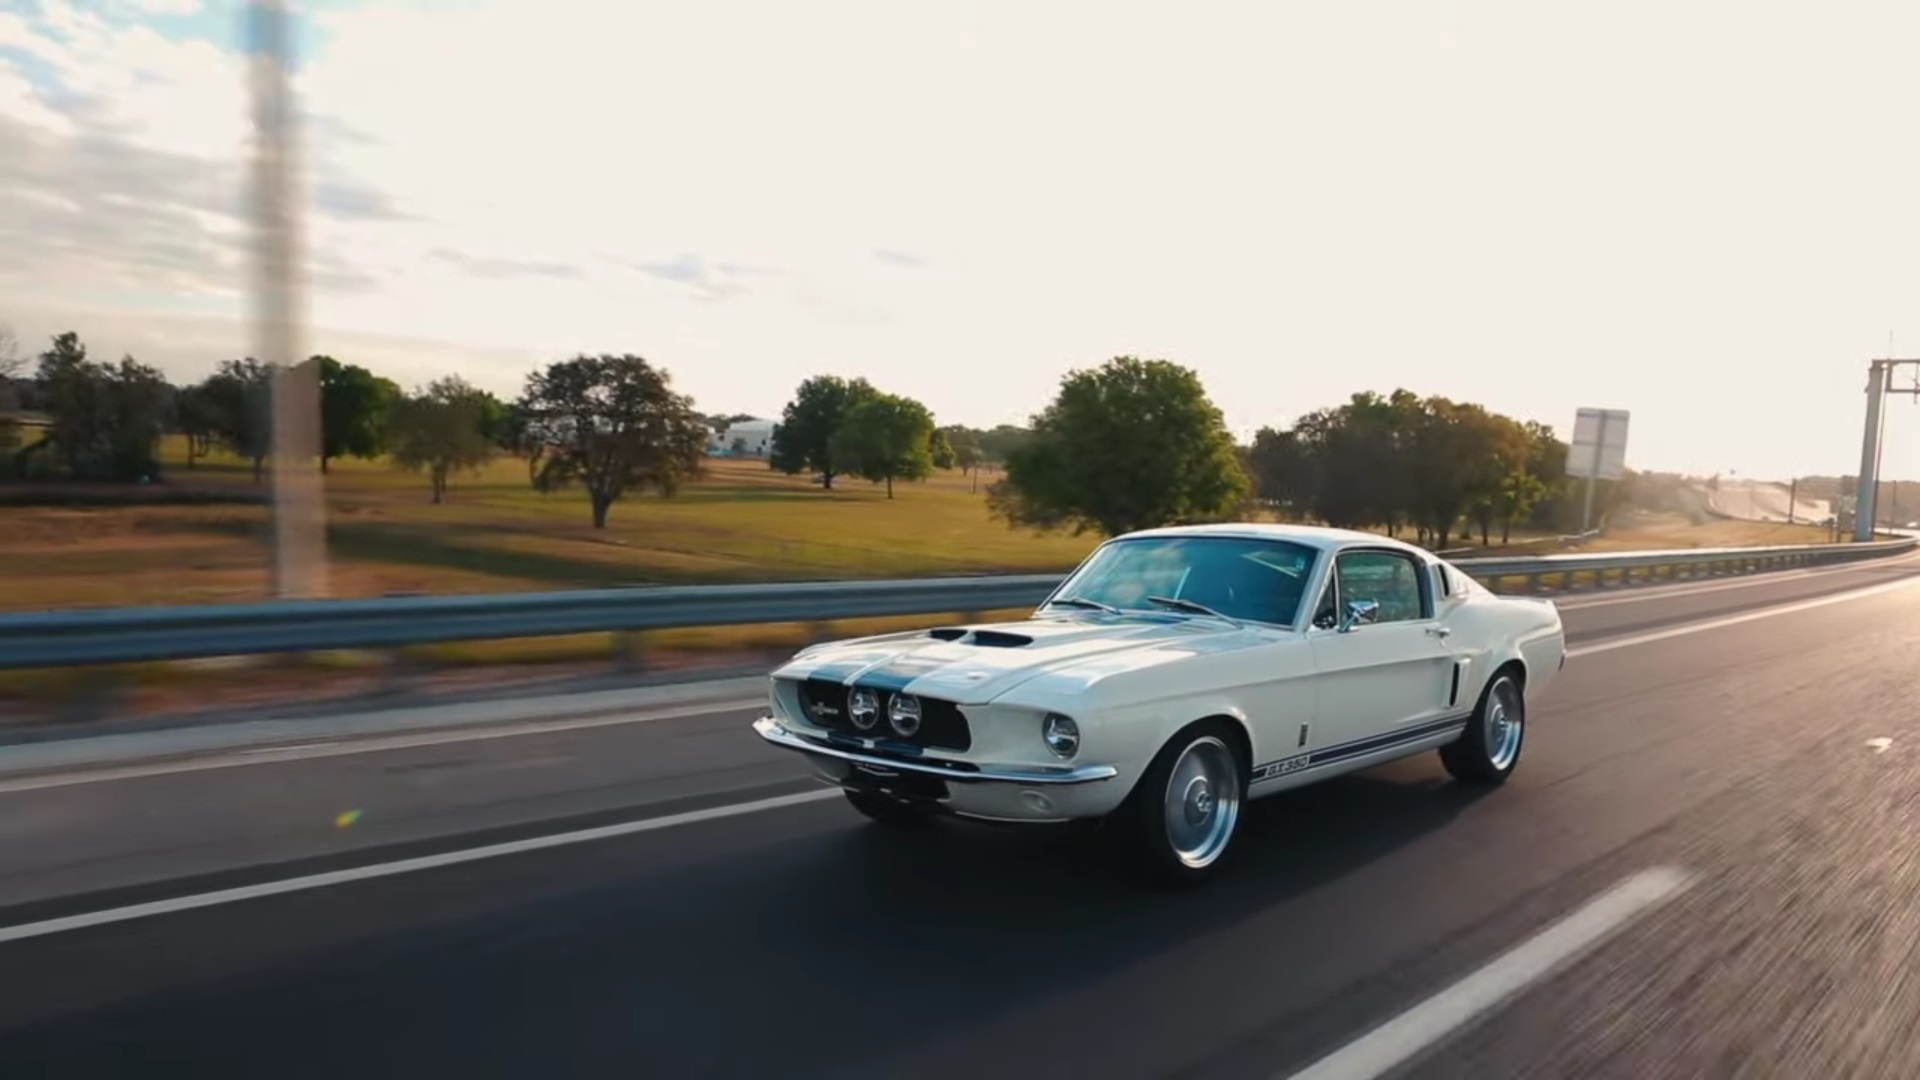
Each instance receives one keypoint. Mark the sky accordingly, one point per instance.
(1703, 213)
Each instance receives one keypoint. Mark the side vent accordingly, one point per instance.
(1453, 692)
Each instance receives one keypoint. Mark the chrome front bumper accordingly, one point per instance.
(1023, 775)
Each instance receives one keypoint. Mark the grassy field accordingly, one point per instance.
(741, 523)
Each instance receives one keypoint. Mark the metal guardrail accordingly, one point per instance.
(125, 635)
(1682, 564)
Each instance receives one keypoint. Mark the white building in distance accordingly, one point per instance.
(748, 438)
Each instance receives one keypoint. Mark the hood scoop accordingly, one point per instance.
(989, 639)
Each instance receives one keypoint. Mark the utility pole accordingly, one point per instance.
(299, 511)
(1793, 497)
(1867, 491)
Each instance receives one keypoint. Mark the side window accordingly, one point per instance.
(1388, 578)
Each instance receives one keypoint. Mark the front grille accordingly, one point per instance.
(942, 725)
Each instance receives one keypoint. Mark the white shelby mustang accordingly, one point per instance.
(1173, 675)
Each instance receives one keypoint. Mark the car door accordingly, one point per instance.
(1380, 678)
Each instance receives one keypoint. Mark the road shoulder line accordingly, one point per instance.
(1405, 1037)
(305, 882)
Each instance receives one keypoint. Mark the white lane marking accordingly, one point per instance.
(1644, 593)
(403, 866)
(1880, 745)
(267, 755)
(1683, 630)
(1399, 1040)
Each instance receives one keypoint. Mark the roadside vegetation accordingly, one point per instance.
(117, 487)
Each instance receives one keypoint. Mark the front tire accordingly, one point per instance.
(1179, 822)
(1489, 750)
(886, 811)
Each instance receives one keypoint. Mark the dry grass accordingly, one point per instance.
(740, 523)
(1660, 532)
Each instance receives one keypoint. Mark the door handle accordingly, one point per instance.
(1440, 632)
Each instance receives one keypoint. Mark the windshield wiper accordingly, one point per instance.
(1191, 605)
(1081, 601)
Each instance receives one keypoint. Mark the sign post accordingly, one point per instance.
(1599, 452)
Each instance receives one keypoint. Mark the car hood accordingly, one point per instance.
(973, 664)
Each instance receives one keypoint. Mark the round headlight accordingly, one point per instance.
(1062, 735)
(863, 707)
(904, 714)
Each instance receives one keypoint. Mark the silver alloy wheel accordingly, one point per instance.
(1506, 720)
(1202, 802)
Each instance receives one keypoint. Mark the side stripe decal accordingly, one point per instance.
(1327, 755)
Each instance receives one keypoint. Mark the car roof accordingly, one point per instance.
(1316, 536)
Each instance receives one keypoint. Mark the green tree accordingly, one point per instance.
(354, 407)
(886, 437)
(941, 450)
(1354, 461)
(1285, 471)
(439, 430)
(1501, 485)
(196, 415)
(803, 440)
(106, 419)
(614, 425)
(71, 393)
(999, 443)
(135, 402)
(239, 397)
(1541, 477)
(964, 443)
(1130, 445)
(11, 362)
(1456, 463)
(963, 447)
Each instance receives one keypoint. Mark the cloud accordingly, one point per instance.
(168, 7)
(702, 279)
(899, 258)
(486, 267)
(346, 200)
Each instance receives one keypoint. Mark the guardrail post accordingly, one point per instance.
(630, 650)
(94, 697)
(398, 669)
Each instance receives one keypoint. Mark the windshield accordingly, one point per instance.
(1255, 580)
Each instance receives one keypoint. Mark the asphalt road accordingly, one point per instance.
(1731, 732)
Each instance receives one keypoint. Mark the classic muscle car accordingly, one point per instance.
(1173, 675)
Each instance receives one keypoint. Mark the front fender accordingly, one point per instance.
(1129, 737)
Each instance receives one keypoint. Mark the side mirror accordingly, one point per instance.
(1360, 613)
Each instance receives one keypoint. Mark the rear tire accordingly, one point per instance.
(1489, 750)
(886, 811)
(1179, 822)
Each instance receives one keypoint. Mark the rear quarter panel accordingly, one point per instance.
(1490, 631)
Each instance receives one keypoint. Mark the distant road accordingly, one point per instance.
(1749, 500)
(1727, 732)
